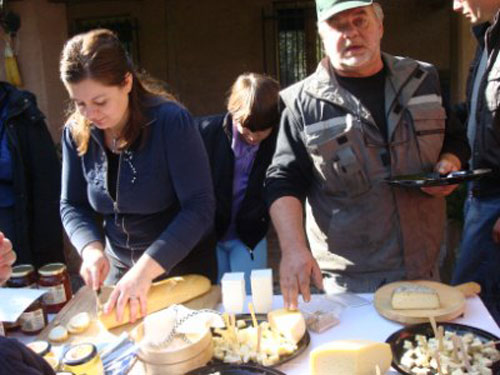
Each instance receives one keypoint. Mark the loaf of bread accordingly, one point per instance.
(162, 294)
(412, 296)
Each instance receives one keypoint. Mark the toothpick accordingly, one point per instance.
(225, 316)
(435, 354)
(440, 339)
(491, 343)
(252, 312)
(232, 321)
(259, 335)
(463, 349)
(454, 340)
(434, 327)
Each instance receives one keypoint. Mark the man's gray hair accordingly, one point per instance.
(379, 12)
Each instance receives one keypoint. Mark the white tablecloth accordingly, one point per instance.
(365, 323)
(359, 323)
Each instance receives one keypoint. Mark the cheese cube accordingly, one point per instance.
(289, 323)
(414, 296)
(233, 292)
(262, 290)
(350, 357)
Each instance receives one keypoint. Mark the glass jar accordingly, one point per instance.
(54, 279)
(83, 359)
(40, 347)
(33, 319)
(43, 349)
(23, 276)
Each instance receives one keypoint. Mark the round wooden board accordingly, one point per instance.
(452, 304)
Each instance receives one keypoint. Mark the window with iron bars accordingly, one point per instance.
(298, 44)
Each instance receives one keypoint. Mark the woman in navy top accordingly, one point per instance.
(136, 188)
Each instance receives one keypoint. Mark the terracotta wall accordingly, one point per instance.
(211, 42)
(152, 30)
(40, 39)
(199, 47)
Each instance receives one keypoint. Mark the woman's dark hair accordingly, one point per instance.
(99, 55)
(253, 101)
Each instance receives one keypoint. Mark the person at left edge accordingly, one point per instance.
(30, 175)
(7, 258)
(136, 160)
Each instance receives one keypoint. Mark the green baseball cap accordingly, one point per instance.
(328, 8)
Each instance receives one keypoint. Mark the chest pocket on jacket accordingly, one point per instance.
(337, 166)
(429, 119)
(492, 96)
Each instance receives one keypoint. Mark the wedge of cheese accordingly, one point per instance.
(289, 323)
(162, 294)
(414, 297)
(351, 357)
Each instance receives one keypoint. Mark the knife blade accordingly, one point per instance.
(98, 301)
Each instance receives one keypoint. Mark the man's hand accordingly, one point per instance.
(297, 265)
(446, 164)
(496, 232)
(297, 268)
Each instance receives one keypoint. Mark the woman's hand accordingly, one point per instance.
(95, 265)
(133, 289)
(7, 258)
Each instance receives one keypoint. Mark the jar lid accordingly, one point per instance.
(79, 354)
(40, 347)
(22, 270)
(52, 269)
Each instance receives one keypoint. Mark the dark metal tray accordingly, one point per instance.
(435, 179)
(397, 339)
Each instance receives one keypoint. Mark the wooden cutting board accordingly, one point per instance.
(452, 301)
(85, 300)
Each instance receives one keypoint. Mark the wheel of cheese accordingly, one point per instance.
(178, 350)
(350, 357)
(180, 368)
(414, 296)
(290, 323)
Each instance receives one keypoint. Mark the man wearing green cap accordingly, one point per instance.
(364, 116)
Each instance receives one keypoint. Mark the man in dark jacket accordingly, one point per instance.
(479, 258)
(30, 180)
(16, 358)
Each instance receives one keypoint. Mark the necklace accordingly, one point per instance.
(114, 145)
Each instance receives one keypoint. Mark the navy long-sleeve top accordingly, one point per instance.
(164, 197)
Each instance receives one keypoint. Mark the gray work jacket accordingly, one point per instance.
(360, 229)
